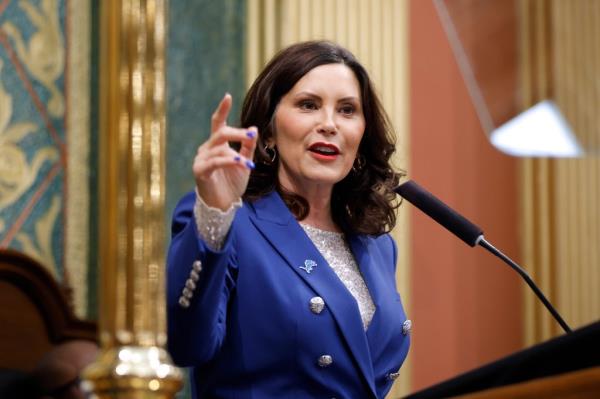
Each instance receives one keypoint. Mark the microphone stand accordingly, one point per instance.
(481, 241)
(468, 232)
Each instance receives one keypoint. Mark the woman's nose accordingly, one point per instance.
(327, 123)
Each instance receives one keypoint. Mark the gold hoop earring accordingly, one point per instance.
(271, 153)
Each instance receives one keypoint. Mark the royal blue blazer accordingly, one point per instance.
(246, 326)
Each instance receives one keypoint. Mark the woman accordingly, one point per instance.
(291, 292)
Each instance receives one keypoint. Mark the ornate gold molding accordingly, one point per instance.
(133, 362)
(78, 132)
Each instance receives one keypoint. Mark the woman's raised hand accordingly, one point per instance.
(222, 173)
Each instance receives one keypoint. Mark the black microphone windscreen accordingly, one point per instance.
(440, 212)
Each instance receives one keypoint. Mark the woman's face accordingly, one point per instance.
(318, 127)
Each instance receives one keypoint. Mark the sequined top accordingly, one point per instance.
(334, 248)
(213, 226)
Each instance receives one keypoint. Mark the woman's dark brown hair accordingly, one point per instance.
(363, 202)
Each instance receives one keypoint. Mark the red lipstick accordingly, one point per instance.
(324, 151)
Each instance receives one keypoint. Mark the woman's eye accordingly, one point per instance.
(308, 105)
(347, 109)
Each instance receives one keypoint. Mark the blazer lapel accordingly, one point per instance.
(280, 228)
(360, 248)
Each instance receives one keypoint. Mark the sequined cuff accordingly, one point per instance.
(213, 224)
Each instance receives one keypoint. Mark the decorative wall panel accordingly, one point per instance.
(44, 136)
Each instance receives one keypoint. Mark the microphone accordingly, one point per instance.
(468, 232)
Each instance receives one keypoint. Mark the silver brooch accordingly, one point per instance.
(309, 265)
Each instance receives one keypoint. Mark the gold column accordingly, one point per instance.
(132, 363)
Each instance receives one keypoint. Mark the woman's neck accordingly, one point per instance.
(318, 196)
(321, 219)
(319, 202)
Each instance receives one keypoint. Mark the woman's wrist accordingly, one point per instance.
(212, 223)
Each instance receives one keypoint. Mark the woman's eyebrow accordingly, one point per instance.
(314, 95)
(349, 98)
(307, 94)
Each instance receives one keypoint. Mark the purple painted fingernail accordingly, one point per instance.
(237, 158)
(250, 165)
(251, 133)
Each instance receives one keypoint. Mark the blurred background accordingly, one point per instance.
(451, 75)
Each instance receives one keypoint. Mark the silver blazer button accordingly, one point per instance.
(197, 265)
(325, 361)
(187, 293)
(184, 302)
(190, 284)
(194, 276)
(317, 304)
(406, 326)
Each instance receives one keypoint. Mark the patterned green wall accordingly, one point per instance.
(45, 136)
(33, 148)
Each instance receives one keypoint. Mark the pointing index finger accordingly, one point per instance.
(219, 117)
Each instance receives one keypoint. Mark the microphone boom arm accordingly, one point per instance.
(466, 231)
(528, 280)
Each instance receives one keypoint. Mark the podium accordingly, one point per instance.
(567, 366)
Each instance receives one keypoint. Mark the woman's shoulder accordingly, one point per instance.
(384, 248)
(380, 239)
(384, 242)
